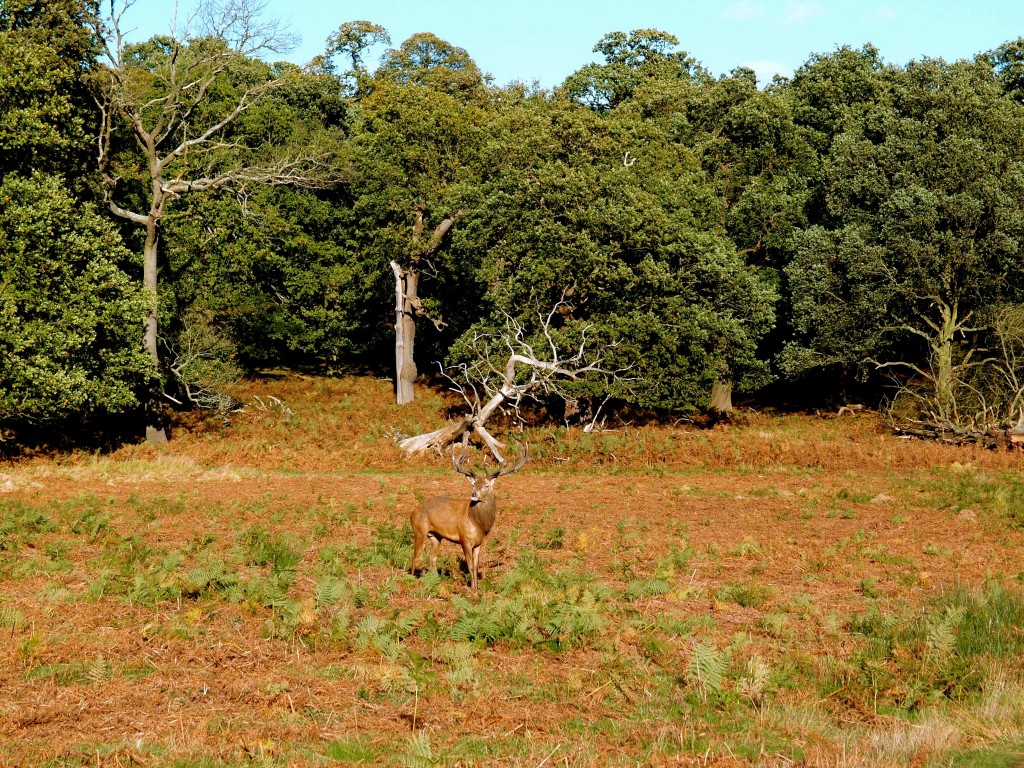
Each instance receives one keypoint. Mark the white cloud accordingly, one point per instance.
(802, 11)
(745, 10)
(766, 70)
(885, 13)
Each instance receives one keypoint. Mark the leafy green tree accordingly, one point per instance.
(285, 276)
(834, 90)
(630, 61)
(921, 231)
(352, 41)
(1008, 62)
(427, 61)
(416, 147)
(71, 319)
(759, 161)
(47, 51)
(596, 214)
(276, 268)
(69, 341)
(675, 114)
(758, 158)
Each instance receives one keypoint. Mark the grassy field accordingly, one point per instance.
(791, 590)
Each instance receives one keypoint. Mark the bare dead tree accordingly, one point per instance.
(182, 139)
(507, 369)
(969, 395)
(408, 305)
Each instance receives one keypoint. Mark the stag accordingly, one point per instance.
(461, 520)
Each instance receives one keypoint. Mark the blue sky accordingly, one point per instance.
(546, 40)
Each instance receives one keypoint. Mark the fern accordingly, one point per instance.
(210, 577)
(753, 683)
(476, 624)
(571, 623)
(941, 634)
(270, 591)
(388, 646)
(405, 624)
(458, 657)
(266, 548)
(98, 671)
(430, 583)
(645, 588)
(11, 618)
(418, 752)
(361, 596)
(390, 545)
(366, 629)
(148, 589)
(707, 668)
(329, 590)
(341, 624)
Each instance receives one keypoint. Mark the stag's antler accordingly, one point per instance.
(457, 459)
(507, 470)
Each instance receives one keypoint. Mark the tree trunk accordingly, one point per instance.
(721, 397)
(407, 303)
(942, 352)
(155, 432)
(406, 289)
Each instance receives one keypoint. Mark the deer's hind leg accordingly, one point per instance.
(435, 544)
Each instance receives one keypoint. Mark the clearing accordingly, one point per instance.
(793, 590)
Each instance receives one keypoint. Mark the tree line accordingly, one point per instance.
(646, 235)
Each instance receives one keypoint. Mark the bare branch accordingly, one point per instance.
(493, 383)
(241, 23)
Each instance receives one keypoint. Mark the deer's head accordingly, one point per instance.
(483, 485)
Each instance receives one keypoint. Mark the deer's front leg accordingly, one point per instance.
(468, 550)
(476, 562)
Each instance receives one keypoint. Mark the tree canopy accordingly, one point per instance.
(706, 233)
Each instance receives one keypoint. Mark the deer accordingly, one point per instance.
(461, 520)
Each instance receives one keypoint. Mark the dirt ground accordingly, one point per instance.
(188, 678)
(228, 683)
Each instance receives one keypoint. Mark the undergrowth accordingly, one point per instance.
(632, 628)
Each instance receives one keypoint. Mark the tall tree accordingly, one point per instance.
(833, 90)
(922, 224)
(1008, 63)
(47, 51)
(672, 113)
(68, 314)
(352, 41)
(278, 268)
(180, 98)
(630, 61)
(597, 214)
(420, 128)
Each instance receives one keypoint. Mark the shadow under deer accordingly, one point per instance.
(461, 520)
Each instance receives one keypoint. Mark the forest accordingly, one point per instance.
(645, 238)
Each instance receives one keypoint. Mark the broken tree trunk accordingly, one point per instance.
(721, 397)
(463, 429)
(408, 305)
(406, 287)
